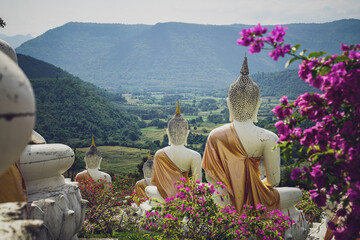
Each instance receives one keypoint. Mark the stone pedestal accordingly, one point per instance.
(55, 200)
(301, 228)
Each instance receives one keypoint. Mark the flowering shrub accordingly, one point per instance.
(310, 209)
(107, 205)
(193, 214)
(333, 139)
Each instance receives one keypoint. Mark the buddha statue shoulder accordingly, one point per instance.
(233, 153)
(174, 161)
(93, 161)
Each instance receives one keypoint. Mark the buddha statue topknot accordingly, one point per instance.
(173, 162)
(244, 97)
(178, 127)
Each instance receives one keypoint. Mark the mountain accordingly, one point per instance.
(16, 40)
(283, 83)
(69, 108)
(170, 56)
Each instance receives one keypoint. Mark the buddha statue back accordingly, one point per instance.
(173, 162)
(256, 143)
(93, 161)
(234, 151)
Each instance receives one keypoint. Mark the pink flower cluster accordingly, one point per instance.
(193, 213)
(254, 38)
(105, 201)
(326, 123)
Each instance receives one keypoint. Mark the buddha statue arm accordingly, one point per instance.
(271, 162)
(196, 167)
(108, 178)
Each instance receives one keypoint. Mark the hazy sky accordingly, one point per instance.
(37, 16)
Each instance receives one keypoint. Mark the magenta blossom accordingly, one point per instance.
(295, 174)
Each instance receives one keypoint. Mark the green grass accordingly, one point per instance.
(153, 133)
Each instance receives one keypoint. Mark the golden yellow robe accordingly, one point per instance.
(12, 185)
(225, 160)
(165, 173)
(139, 192)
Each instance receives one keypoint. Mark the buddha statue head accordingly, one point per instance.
(147, 169)
(178, 128)
(17, 108)
(244, 97)
(6, 48)
(93, 156)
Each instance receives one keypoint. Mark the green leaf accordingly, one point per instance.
(324, 70)
(296, 47)
(303, 52)
(341, 58)
(290, 61)
(313, 74)
(316, 54)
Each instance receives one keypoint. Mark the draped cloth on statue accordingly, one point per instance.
(82, 176)
(225, 160)
(139, 191)
(165, 173)
(12, 185)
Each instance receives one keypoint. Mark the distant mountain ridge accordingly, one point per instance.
(168, 56)
(15, 40)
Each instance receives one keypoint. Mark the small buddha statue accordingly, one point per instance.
(140, 185)
(173, 162)
(233, 153)
(93, 160)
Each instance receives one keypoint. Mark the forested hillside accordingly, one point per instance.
(70, 110)
(283, 83)
(169, 56)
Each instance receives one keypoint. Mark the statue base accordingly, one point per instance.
(60, 207)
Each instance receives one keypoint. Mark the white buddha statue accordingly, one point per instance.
(93, 160)
(173, 162)
(139, 192)
(233, 153)
(17, 118)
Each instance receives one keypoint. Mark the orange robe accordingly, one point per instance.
(225, 160)
(165, 173)
(139, 192)
(12, 185)
(82, 176)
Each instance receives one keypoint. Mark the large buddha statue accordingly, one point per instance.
(93, 160)
(233, 153)
(173, 162)
(139, 192)
(17, 117)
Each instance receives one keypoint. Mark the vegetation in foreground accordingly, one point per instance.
(109, 214)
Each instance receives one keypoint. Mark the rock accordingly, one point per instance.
(13, 224)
